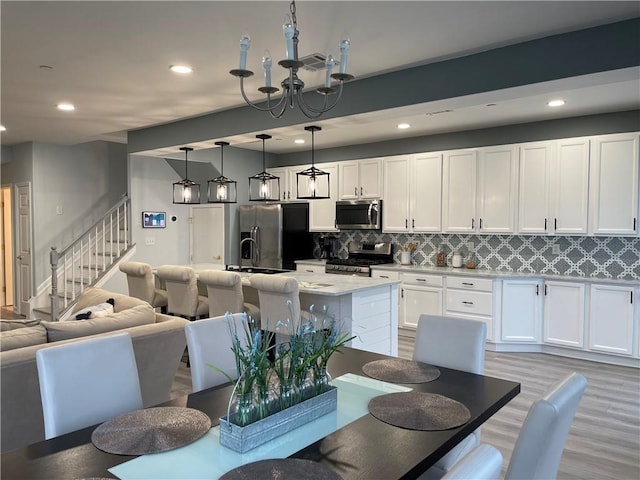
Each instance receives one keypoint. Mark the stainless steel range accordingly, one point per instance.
(361, 257)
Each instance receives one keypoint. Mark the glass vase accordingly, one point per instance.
(288, 394)
(321, 379)
(263, 402)
(244, 412)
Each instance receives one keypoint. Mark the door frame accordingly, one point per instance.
(18, 304)
(8, 280)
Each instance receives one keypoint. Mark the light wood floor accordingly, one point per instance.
(604, 441)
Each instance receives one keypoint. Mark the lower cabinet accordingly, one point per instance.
(611, 319)
(564, 304)
(472, 298)
(417, 300)
(522, 311)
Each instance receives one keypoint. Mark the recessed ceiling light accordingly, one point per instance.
(299, 141)
(184, 69)
(403, 126)
(67, 107)
(3, 128)
(556, 103)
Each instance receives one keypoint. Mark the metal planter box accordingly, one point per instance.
(243, 439)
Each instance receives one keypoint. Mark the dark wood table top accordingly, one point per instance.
(364, 449)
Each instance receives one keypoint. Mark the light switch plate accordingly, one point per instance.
(150, 241)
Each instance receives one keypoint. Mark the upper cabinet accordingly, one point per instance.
(534, 188)
(571, 187)
(412, 193)
(287, 177)
(614, 185)
(360, 179)
(322, 213)
(479, 190)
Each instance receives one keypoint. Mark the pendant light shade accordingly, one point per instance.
(222, 189)
(186, 191)
(264, 187)
(312, 183)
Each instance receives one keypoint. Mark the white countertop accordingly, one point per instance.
(500, 274)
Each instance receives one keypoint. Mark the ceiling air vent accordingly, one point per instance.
(315, 62)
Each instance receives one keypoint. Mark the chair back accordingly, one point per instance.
(274, 291)
(182, 289)
(209, 343)
(224, 290)
(451, 342)
(539, 446)
(140, 280)
(484, 461)
(86, 382)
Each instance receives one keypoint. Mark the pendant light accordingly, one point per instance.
(222, 189)
(312, 183)
(186, 191)
(264, 187)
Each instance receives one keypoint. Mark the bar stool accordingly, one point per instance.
(224, 291)
(275, 292)
(182, 292)
(142, 284)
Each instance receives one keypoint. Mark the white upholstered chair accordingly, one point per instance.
(456, 343)
(274, 293)
(142, 284)
(209, 342)
(182, 292)
(224, 290)
(542, 438)
(87, 382)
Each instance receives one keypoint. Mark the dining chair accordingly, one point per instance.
(224, 290)
(182, 292)
(209, 343)
(541, 441)
(456, 343)
(279, 299)
(142, 284)
(87, 382)
(483, 463)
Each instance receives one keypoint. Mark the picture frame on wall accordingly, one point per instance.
(154, 219)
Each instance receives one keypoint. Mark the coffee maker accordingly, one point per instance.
(329, 246)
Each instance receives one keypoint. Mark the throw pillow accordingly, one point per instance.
(22, 337)
(96, 311)
(12, 324)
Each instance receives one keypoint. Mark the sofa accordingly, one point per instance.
(158, 342)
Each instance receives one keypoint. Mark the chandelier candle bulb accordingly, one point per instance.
(266, 63)
(344, 55)
(245, 41)
(288, 31)
(329, 63)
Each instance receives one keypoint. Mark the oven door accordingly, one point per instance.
(358, 215)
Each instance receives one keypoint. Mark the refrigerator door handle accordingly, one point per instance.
(256, 246)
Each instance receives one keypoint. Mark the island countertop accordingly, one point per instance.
(333, 285)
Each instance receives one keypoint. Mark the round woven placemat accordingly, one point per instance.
(151, 430)
(399, 370)
(282, 469)
(419, 411)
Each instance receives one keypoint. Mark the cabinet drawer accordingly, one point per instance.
(421, 279)
(469, 283)
(309, 268)
(385, 274)
(474, 303)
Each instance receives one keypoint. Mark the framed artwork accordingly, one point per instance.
(154, 219)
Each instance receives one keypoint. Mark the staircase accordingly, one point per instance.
(88, 259)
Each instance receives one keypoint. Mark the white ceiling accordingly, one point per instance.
(111, 60)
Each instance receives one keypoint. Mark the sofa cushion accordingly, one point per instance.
(93, 296)
(132, 317)
(22, 337)
(12, 324)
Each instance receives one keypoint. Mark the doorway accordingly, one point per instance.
(6, 241)
(207, 235)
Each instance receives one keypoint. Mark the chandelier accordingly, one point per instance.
(263, 186)
(312, 183)
(222, 189)
(186, 191)
(292, 86)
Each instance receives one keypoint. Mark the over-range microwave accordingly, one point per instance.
(359, 214)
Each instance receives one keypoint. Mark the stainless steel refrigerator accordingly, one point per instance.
(275, 235)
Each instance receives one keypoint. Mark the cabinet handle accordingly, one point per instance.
(480, 224)
(631, 297)
(634, 223)
(545, 289)
(289, 195)
(555, 223)
(361, 191)
(473, 223)
(284, 195)
(421, 279)
(402, 293)
(545, 224)
(406, 223)
(355, 191)
(413, 223)
(384, 276)
(309, 271)
(537, 290)
(467, 284)
(467, 303)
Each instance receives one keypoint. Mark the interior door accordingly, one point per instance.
(207, 234)
(23, 248)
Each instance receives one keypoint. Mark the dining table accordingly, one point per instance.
(366, 448)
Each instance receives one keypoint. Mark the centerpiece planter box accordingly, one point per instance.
(243, 439)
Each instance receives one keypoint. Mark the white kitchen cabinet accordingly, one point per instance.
(287, 177)
(521, 311)
(611, 319)
(479, 190)
(360, 179)
(322, 212)
(412, 193)
(534, 188)
(571, 187)
(614, 185)
(419, 294)
(459, 191)
(564, 308)
(470, 297)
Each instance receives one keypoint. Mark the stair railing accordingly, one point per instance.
(78, 265)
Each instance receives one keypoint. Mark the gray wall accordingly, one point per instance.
(17, 164)
(6, 154)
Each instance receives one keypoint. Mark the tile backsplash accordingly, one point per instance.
(601, 257)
